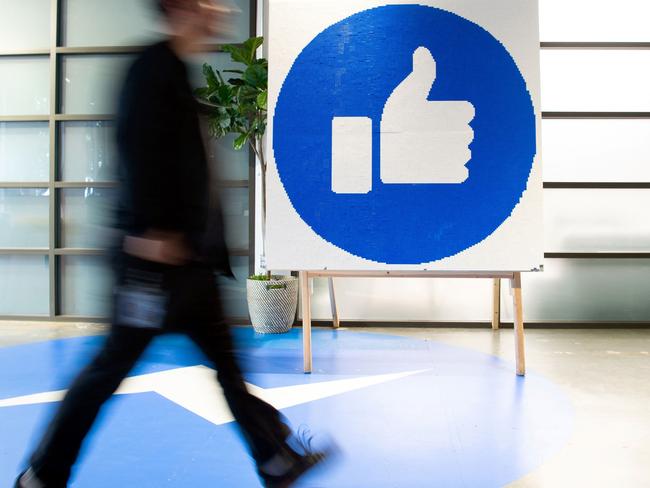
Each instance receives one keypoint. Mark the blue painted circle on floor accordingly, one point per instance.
(350, 70)
(466, 420)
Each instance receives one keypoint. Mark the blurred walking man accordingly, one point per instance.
(172, 245)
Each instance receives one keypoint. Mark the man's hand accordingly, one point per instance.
(159, 246)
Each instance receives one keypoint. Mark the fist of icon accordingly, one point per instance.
(422, 141)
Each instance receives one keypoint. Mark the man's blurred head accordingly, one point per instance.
(197, 19)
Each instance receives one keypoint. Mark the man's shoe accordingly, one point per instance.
(27, 479)
(297, 460)
(301, 465)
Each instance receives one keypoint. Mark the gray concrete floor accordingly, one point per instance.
(605, 373)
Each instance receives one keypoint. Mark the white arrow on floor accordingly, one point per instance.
(195, 389)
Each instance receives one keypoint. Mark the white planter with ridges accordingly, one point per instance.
(272, 304)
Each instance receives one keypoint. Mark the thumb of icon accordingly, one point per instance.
(415, 88)
(424, 141)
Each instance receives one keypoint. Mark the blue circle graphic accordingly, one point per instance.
(453, 417)
(350, 70)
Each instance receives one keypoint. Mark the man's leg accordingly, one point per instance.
(59, 448)
(281, 457)
(260, 422)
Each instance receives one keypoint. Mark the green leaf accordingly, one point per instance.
(225, 94)
(251, 46)
(237, 54)
(262, 99)
(240, 141)
(256, 76)
(210, 76)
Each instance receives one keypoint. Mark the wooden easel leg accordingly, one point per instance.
(496, 303)
(306, 321)
(335, 310)
(520, 350)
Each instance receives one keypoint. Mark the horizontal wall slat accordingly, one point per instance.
(23, 184)
(82, 117)
(24, 118)
(35, 251)
(594, 115)
(85, 184)
(575, 185)
(26, 52)
(595, 45)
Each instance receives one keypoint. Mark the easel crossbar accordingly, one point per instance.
(410, 274)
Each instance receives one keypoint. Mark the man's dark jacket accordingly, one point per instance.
(163, 172)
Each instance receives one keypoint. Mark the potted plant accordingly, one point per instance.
(238, 106)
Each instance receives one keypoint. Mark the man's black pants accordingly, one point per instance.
(193, 308)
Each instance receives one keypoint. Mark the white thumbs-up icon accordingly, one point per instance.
(422, 141)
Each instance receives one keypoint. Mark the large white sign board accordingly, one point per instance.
(404, 136)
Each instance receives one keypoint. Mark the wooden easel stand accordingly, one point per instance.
(515, 286)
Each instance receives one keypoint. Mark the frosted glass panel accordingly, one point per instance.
(25, 85)
(595, 80)
(596, 150)
(24, 24)
(85, 217)
(131, 22)
(228, 163)
(594, 20)
(86, 286)
(589, 290)
(88, 151)
(92, 83)
(237, 27)
(235, 211)
(24, 285)
(24, 151)
(113, 23)
(24, 214)
(233, 291)
(596, 220)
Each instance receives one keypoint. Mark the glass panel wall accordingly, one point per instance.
(91, 83)
(24, 285)
(594, 20)
(24, 85)
(114, 23)
(236, 216)
(67, 158)
(86, 285)
(596, 220)
(24, 217)
(24, 151)
(595, 80)
(86, 215)
(583, 150)
(88, 151)
(24, 25)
